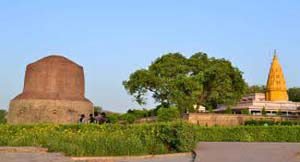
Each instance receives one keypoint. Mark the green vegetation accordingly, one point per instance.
(174, 80)
(245, 112)
(103, 140)
(228, 110)
(263, 111)
(3, 116)
(128, 118)
(113, 118)
(98, 109)
(131, 116)
(249, 134)
(168, 114)
(256, 89)
(138, 139)
(294, 94)
(269, 123)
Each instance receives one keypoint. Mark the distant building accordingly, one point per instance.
(275, 101)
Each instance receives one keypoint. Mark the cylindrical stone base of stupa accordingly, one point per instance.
(47, 111)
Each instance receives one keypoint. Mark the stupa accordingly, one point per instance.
(54, 92)
(274, 101)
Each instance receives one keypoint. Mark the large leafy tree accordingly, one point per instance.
(174, 80)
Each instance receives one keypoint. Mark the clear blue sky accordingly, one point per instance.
(111, 39)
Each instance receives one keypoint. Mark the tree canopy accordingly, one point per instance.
(2, 116)
(175, 80)
(294, 94)
(256, 89)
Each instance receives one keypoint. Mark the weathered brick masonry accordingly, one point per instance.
(54, 92)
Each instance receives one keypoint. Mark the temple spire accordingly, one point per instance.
(276, 85)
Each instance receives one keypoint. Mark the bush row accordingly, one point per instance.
(270, 122)
(103, 140)
(248, 134)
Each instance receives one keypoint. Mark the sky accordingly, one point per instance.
(112, 39)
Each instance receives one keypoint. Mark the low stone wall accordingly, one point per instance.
(47, 111)
(225, 119)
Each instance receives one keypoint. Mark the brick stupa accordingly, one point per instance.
(54, 92)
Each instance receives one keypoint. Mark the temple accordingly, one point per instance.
(274, 101)
(276, 85)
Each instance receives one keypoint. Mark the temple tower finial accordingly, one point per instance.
(275, 54)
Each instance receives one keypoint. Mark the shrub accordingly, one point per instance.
(139, 113)
(113, 118)
(128, 118)
(245, 112)
(249, 134)
(168, 114)
(270, 122)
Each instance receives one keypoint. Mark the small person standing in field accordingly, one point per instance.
(82, 119)
(92, 119)
(103, 118)
(97, 117)
(100, 119)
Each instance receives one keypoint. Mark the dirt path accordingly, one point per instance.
(33, 157)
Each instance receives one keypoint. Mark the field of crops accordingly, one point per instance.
(103, 140)
(137, 139)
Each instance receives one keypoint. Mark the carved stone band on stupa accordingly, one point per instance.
(276, 85)
(54, 92)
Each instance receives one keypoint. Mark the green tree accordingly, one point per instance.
(256, 89)
(168, 114)
(98, 109)
(174, 80)
(222, 84)
(294, 94)
(3, 116)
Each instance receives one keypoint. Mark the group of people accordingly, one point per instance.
(95, 118)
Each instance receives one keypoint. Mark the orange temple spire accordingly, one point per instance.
(276, 85)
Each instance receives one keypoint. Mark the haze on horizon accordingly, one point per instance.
(114, 38)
